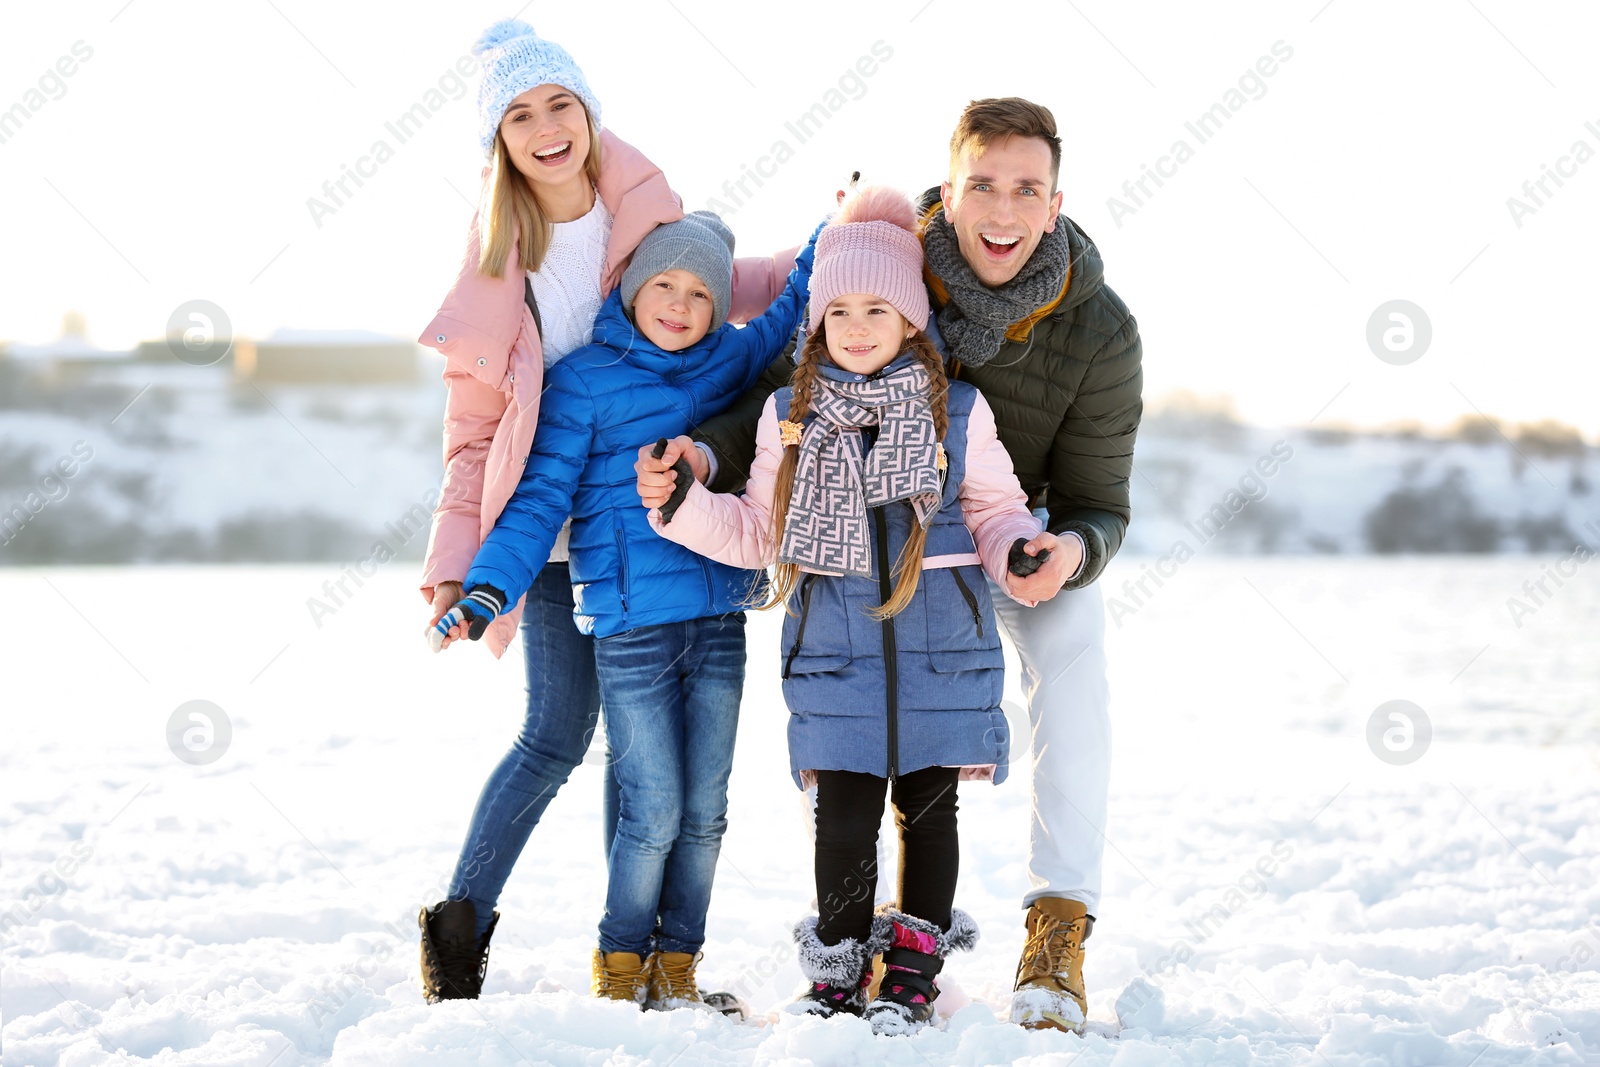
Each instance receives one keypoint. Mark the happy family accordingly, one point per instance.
(921, 423)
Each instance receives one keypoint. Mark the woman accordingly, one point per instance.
(584, 199)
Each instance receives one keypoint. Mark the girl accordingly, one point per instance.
(882, 493)
(564, 206)
(669, 650)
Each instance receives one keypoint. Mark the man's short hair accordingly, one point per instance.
(996, 118)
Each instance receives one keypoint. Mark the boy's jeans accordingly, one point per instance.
(671, 696)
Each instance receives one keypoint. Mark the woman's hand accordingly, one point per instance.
(445, 596)
(468, 617)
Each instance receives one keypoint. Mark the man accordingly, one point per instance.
(1023, 314)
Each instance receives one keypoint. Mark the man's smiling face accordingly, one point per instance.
(1002, 200)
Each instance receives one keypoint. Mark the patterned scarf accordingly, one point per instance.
(834, 484)
(975, 319)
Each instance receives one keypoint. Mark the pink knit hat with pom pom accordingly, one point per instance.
(871, 246)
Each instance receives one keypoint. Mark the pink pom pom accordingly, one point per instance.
(878, 203)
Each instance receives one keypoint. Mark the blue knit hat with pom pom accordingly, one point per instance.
(516, 59)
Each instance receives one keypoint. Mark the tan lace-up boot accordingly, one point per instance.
(1049, 993)
(618, 976)
(672, 982)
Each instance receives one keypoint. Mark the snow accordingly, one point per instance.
(1275, 893)
(193, 463)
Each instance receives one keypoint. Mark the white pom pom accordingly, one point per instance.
(500, 33)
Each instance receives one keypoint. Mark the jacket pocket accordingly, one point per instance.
(807, 583)
(960, 612)
(818, 629)
(622, 568)
(814, 664)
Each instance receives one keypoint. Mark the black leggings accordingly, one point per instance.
(849, 811)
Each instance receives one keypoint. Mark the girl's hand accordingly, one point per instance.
(445, 595)
(1047, 581)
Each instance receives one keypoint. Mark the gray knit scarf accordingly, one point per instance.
(834, 484)
(975, 321)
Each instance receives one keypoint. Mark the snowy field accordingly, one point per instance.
(1276, 893)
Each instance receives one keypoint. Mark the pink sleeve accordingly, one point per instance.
(472, 412)
(757, 281)
(735, 530)
(992, 499)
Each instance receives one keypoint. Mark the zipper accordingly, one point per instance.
(622, 568)
(972, 601)
(891, 658)
(800, 631)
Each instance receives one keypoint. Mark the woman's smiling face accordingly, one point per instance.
(546, 131)
(864, 332)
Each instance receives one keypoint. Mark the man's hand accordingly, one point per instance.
(656, 476)
(1065, 556)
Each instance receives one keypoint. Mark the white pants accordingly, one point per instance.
(1062, 646)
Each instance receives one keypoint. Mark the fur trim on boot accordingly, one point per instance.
(836, 975)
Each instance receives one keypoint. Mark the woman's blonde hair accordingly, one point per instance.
(908, 570)
(513, 206)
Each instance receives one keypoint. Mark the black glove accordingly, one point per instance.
(680, 488)
(1020, 563)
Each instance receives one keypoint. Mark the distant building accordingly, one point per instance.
(326, 357)
(70, 359)
(288, 357)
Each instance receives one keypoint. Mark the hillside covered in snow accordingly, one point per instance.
(175, 463)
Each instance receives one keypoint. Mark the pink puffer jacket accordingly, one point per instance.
(494, 365)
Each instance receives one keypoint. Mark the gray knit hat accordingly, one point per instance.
(699, 243)
(515, 59)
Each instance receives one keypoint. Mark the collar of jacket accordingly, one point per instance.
(615, 330)
(827, 368)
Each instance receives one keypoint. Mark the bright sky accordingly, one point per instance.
(1373, 164)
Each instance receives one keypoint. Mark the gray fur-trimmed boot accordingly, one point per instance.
(837, 976)
(915, 955)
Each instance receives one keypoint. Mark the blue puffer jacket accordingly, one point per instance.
(600, 404)
(936, 703)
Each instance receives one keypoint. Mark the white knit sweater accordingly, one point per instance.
(567, 283)
(567, 289)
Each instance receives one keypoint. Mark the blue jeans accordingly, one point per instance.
(671, 694)
(563, 707)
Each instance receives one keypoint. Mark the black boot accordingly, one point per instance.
(837, 976)
(454, 958)
(914, 958)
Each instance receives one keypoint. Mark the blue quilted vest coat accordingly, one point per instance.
(919, 689)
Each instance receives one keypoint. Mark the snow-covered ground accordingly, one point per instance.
(1275, 892)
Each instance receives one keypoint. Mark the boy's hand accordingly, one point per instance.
(657, 479)
(1046, 581)
(469, 617)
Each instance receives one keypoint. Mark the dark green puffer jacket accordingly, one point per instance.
(1067, 403)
